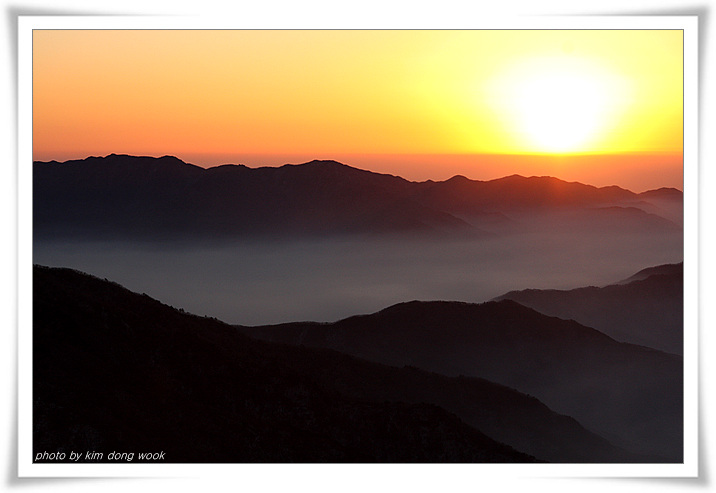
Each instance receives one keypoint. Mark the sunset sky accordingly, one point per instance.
(422, 104)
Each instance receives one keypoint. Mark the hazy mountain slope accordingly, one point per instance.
(665, 202)
(629, 394)
(128, 197)
(501, 412)
(645, 309)
(118, 370)
(460, 194)
(674, 270)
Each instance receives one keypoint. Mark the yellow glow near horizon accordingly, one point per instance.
(325, 93)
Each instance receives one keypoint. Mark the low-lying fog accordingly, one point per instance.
(265, 283)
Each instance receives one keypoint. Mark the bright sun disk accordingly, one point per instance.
(560, 112)
(557, 105)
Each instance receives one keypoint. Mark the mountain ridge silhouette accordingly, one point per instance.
(563, 363)
(135, 197)
(116, 369)
(646, 308)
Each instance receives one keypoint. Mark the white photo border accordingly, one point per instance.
(688, 469)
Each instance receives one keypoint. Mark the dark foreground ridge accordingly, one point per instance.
(631, 395)
(119, 371)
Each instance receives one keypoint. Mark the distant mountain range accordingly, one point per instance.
(129, 197)
(568, 366)
(115, 370)
(646, 309)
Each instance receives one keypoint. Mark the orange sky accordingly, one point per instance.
(211, 97)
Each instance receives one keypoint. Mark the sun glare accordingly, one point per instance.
(558, 105)
(559, 112)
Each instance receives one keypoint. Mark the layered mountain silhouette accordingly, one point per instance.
(129, 197)
(115, 370)
(645, 309)
(631, 395)
(586, 375)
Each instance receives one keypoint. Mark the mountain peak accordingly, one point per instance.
(325, 161)
(168, 159)
(665, 269)
(321, 165)
(664, 193)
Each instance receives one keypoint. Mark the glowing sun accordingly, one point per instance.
(558, 105)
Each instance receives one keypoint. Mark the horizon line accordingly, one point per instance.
(507, 175)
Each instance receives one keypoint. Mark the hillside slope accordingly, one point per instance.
(629, 394)
(645, 309)
(114, 370)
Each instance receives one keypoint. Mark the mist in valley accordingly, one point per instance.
(324, 280)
